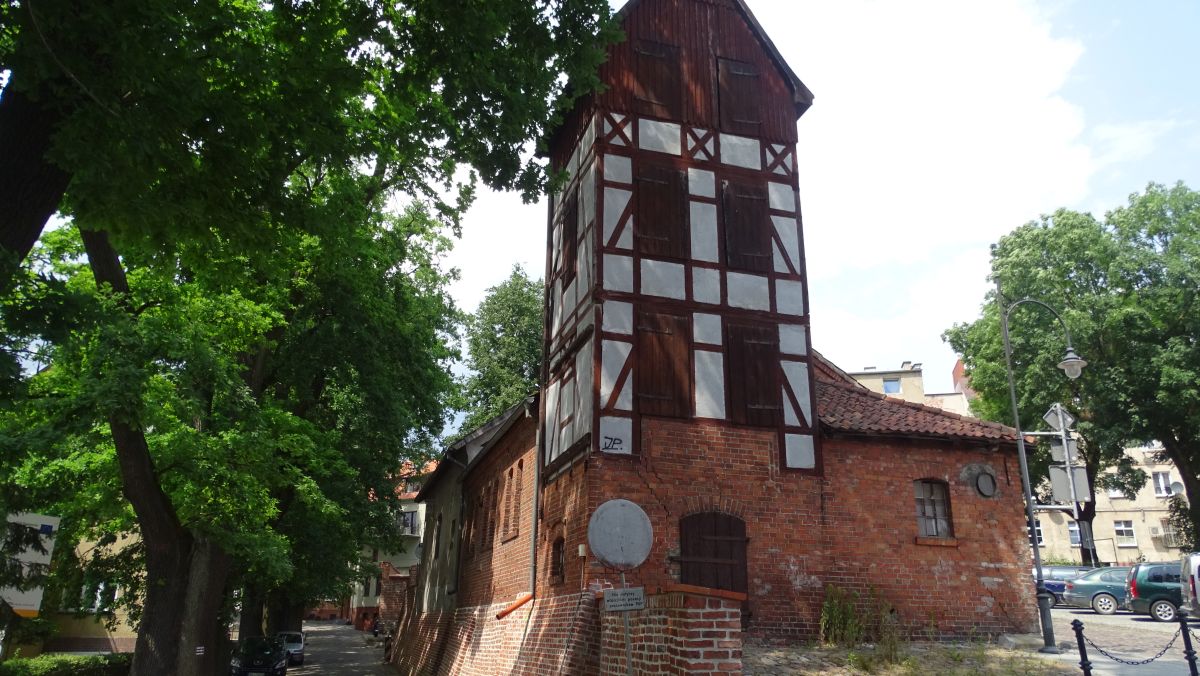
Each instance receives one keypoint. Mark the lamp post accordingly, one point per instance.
(1072, 365)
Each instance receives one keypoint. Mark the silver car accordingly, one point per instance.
(293, 643)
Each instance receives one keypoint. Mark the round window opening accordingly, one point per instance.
(985, 483)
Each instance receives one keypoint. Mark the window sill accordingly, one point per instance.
(937, 542)
(509, 538)
(1132, 546)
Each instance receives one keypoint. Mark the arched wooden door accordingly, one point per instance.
(712, 549)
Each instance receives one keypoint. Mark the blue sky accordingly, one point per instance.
(940, 125)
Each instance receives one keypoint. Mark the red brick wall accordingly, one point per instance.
(855, 527)
(420, 643)
(677, 633)
(500, 573)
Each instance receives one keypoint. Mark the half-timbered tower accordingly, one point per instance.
(676, 282)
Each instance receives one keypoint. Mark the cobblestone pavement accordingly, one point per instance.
(1131, 637)
(335, 649)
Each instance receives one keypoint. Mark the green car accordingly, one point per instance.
(1153, 589)
(1103, 589)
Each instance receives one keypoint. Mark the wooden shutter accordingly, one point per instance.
(570, 236)
(755, 395)
(663, 376)
(657, 91)
(712, 549)
(660, 227)
(747, 227)
(739, 97)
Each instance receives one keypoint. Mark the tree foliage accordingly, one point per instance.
(504, 347)
(1126, 288)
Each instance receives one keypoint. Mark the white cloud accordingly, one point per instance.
(1127, 142)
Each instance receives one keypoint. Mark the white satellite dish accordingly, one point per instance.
(1176, 488)
(620, 535)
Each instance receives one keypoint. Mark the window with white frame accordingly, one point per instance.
(1162, 484)
(1116, 494)
(891, 386)
(1073, 532)
(1170, 538)
(1123, 530)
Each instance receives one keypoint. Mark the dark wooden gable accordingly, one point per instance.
(700, 35)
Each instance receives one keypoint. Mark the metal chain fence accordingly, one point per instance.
(1133, 663)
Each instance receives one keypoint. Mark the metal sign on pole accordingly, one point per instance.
(620, 536)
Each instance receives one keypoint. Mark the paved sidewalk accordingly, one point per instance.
(339, 649)
(1130, 637)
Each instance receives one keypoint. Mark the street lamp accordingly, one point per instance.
(1071, 364)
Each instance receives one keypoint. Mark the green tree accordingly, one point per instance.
(185, 120)
(504, 348)
(1126, 289)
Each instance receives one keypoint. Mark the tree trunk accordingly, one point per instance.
(283, 613)
(31, 187)
(1087, 542)
(202, 634)
(1191, 483)
(251, 623)
(169, 546)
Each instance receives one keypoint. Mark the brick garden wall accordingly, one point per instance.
(677, 633)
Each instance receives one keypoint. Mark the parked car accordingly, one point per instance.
(293, 644)
(1103, 589)
(259, 656)
(1189, 572)
(1055, 578)
(1153, 588)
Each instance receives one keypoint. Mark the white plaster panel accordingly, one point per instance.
(662, 137)
(612, 360)
(583, 392)
(782, 197)
(797, 376)
(625, 397)
(706, 285)
(704, 232)
(789, 412)
(618, 317)
(584, 265)
(660, 278)
(710, 384)
(618, 169)
(587, 197)
(625, 241)
(800, 451)
(706, 328)
(551, 431)
(616, 435)
(555, 246)
(618, 273)
(702, 183)
(556, 310)
(777, 257)
(568, 301)
(749, 292)
(589, 134)
(741, 151)
(615, 201)
(789, 234)
(789, 297)
(793, 339)
(573, 163)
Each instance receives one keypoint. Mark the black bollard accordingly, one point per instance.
(1188, 653)
(1083, 658)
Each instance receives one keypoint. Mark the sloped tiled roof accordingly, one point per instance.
(848, 407)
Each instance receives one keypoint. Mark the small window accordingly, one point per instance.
(739, 97)
(661, 223)
(408, 523)
(752, 356)
(558, 560)
(933, 509)
(891, 386)
(1037, 532)
(1123, 530)
(1162, 484)
(1073, 532)
(570, 236)
(657, 91)
(663, 377)
(512, 501)
(437, 536)
(747, 227)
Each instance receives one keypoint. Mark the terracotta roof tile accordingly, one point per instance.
(843, 405)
